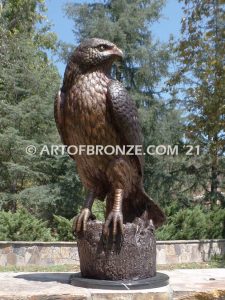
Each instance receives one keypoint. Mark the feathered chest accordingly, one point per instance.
(89, 92)
(87, 110)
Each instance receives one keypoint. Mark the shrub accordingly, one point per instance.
(63, 228)
(22, 226)
(194, 223)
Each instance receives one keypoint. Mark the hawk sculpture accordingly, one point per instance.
(93, 109)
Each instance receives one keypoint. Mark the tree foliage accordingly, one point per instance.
(200, 77)
(22, 226)
(28, 85)
(194, 223)
(25, 103)
(63, 228)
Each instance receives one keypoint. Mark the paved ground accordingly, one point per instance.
(209, 284)
(52, 286)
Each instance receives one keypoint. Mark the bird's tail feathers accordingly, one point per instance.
(152, 210)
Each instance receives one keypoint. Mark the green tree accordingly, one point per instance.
(25, 103)
(22, 15)
(200, 77)
(28, 85)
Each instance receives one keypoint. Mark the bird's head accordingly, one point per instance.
(96, 52)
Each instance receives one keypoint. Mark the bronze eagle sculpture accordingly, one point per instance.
(93, 109)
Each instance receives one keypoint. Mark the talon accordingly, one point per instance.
(116, 218)
(104, 238)
(80, 221)
(106, 231)
(115, 227)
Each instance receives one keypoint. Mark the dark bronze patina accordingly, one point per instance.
(135, 259)
(93, 109)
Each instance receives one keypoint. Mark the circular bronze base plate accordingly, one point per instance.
(157, 281)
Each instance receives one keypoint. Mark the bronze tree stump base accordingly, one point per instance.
(132, 256)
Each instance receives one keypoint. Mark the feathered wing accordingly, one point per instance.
(125, 117)
(59, 116)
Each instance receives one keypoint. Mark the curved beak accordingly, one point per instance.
(117, 52)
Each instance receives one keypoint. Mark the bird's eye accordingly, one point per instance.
(102, 48)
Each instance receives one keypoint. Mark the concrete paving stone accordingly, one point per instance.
(207, 284)
(197, 279)
(39, 286)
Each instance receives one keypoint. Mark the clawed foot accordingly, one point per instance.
(80, 221)
(116, 218)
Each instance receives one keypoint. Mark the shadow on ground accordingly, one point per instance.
(46, 277)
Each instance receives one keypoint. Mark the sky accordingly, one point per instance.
(169, 24)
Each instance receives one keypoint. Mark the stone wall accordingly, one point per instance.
(38, 253)
(43, 253)
(177, 252)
